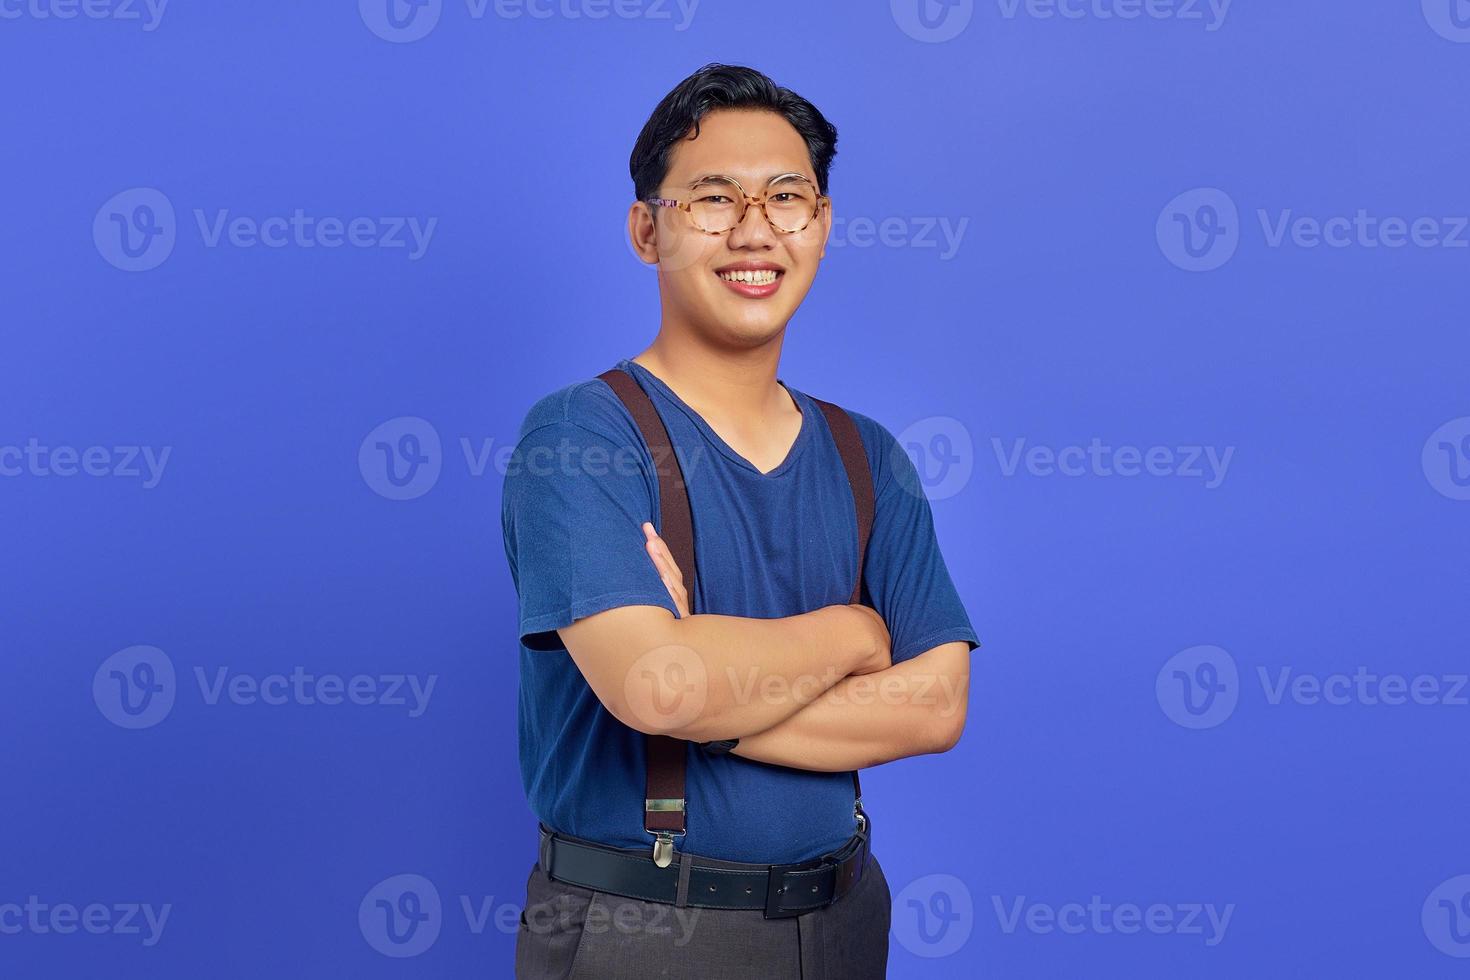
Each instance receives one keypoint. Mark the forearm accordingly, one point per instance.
(760, 672)
(708, 677)
(912, 708)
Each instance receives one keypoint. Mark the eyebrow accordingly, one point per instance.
(706, 178)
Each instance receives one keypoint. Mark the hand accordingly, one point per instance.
(668, 569)
(880, 656)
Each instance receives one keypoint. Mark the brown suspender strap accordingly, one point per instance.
(665, 806)
(860, 479)
(664, 802)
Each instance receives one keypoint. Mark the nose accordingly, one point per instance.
(753, 231)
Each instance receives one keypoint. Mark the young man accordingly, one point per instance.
(694, 704)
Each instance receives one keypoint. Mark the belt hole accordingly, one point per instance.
(747, 889)
(814, 889)
(711, 887)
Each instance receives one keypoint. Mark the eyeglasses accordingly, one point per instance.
(718, 203)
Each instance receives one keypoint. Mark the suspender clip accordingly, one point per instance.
(663, 840)
(663, 849)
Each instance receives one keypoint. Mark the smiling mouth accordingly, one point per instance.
(752, 277)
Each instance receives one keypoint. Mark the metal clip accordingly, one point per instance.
(663, 849)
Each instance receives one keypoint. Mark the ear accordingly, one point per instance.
(826, 219)
(643, 232)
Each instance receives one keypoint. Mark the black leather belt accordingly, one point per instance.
(778, 890)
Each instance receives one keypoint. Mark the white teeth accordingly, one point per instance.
(757, 277)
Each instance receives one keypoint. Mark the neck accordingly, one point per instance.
(724, 382)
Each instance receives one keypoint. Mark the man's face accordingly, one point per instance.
(719, 284)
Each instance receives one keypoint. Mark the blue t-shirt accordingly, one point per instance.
(577, 490)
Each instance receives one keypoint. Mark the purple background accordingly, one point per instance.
(1051, 147)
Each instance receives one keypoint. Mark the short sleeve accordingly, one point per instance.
(904, 573)
(572, 510)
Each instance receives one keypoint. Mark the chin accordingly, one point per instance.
(748, 331)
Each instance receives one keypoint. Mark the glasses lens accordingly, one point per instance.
(791, 204)
(716, 205)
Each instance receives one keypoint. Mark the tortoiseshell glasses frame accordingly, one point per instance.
(745, 201)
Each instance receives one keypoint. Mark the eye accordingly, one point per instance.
(715, 199)
(786, 195)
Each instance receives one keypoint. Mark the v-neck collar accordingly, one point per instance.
(803, 435)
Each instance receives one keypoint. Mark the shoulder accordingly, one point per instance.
(876, 437)
(879, 443)
(588, 406)
(877, 440)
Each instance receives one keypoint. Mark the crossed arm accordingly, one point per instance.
(816, 691)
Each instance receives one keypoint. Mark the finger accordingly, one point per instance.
(656, 547)
(669, 557)
(676, 594)
(657, 556)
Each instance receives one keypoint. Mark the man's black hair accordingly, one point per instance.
(724, 87)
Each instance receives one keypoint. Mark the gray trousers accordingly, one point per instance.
(572, 933)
